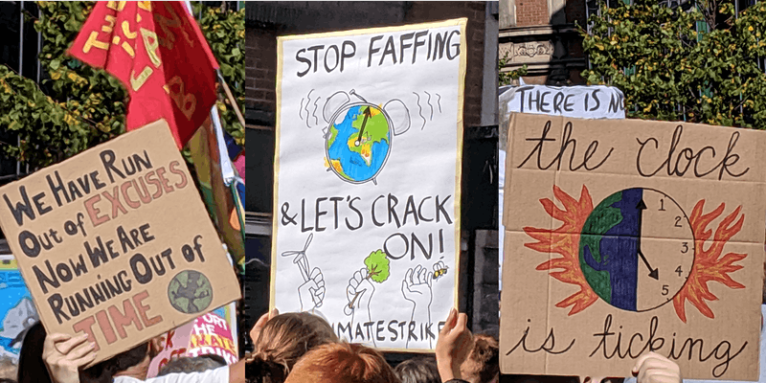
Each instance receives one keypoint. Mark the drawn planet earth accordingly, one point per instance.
(627, 266)
(358, 146)
(190, 292)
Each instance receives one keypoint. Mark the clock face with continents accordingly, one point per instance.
(637, 249)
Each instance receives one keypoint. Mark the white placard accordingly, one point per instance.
(367, 186)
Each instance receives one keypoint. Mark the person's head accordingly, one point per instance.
(192, 364)
(418, 370)
(282, 341)
(342, 363)
(483, 363)
(32, 368)
(104, 372)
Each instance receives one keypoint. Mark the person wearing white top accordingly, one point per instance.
(64, 355)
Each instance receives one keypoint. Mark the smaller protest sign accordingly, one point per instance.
(210, 334)
(115, 242)
(17, 312)
(174, 345)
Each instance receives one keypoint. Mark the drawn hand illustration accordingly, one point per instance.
(311, 293)
(416, 288)
(359, 292)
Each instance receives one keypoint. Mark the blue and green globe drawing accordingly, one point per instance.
(622, 256)
(358, 146)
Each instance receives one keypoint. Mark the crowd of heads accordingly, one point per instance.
(288, 348)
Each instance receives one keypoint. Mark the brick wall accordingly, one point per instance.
(575, 11)
(261, 72)
(532, 12)
(475, 11)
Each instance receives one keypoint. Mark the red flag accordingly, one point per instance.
(157, 50)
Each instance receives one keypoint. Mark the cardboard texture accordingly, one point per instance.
(629, 236)
(116, 242)
(367, 184)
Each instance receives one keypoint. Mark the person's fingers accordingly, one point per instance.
(448, 323)
(353, 283)
(66, 346)
(462, 321)
(85, 359)
(273, 313)
(350, 292)
(315, 273)
(653, 367)
(364, 273)
(640, 361)
(50, 341)
(358, 277)
(405, 288)
(651, 364)
(408, 278)
(81, 351)
(320, 282)
(262, 321)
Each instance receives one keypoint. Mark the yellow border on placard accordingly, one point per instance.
(462, 22)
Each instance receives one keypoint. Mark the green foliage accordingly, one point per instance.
(669, 71)
(225, 32)
(83, 106)
(507, 78)
(377, 266)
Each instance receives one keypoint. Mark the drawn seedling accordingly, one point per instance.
(302, 261)
(378, 269)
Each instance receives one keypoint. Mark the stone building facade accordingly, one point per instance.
(543, 35)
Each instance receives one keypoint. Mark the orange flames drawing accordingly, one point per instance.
(708, 266)
(565, 241)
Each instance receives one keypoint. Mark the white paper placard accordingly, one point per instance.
(367, 180)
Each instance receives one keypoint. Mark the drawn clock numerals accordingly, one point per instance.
(637, 249)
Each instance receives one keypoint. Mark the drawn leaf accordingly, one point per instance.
(377, 266)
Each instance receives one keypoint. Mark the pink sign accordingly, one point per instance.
(212, 335)
(206, 335)
(174, 343)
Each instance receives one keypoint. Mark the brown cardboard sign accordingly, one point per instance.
(115, 242)
(624, 237)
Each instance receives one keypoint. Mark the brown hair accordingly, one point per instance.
(282, 341)
(342, 363)
(418, 370)
(483, 364)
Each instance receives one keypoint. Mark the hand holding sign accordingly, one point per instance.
(655, 368)
(64, 355)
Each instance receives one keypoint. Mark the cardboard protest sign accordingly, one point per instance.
(632, 236)
(591, 102)
(116, 243)
(367, 186)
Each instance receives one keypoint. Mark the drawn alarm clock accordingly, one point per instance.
(358, 137)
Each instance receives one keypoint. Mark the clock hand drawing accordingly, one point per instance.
(636, 249)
